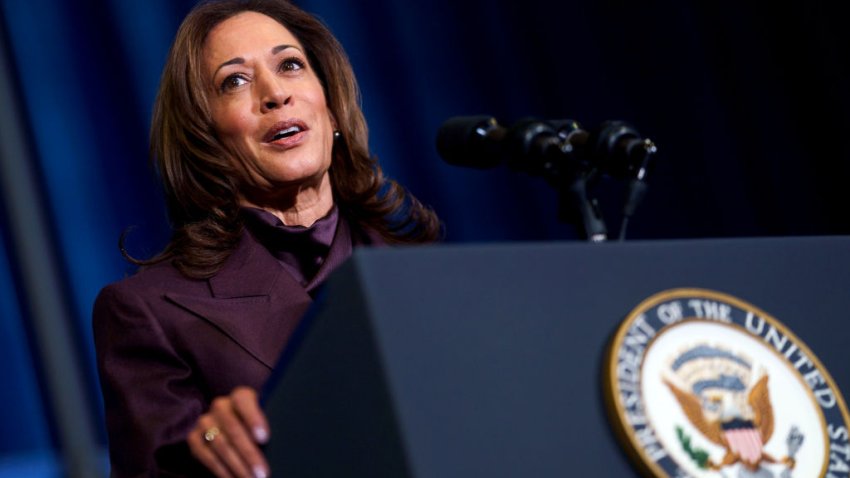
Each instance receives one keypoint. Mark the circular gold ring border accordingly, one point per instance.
(612, 403)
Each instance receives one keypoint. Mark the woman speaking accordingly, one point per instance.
(261, 145)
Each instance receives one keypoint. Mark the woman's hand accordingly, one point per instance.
(226, 439)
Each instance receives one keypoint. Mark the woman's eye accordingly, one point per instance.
(233, 81)
(291, 64)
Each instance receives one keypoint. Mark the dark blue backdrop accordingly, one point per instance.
(749, 107)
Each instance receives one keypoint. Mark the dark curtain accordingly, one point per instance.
(748, 104)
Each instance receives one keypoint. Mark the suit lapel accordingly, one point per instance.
(253, 301)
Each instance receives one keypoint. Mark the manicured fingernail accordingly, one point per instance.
(259, 472)
(260, 434)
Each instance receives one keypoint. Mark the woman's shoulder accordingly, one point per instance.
(162, 275)
(148, 284)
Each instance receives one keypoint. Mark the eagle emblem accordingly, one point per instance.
(730, 406)
(702, 384)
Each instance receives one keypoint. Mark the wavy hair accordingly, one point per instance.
(199, 171)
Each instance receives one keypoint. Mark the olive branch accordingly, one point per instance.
(699, 456)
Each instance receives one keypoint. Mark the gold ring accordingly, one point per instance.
(211, 433)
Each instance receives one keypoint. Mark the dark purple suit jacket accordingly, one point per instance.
(167, 345)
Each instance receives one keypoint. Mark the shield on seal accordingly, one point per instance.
(745, 442)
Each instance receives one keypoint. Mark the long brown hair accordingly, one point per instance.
(198, 170)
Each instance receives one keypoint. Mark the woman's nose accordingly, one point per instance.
(273, 94)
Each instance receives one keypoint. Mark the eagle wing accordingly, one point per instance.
(759, 399)
(693, 410)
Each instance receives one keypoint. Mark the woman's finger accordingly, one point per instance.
(234, 444)
(202, 452)
(225, 438)
(248, 407)
(232, 457)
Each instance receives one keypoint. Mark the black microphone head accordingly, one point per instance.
(568, 129)
(471, 141)
(530, 145)
(618, 148)
(574, 141)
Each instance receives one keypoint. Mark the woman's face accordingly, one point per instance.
(267, 101)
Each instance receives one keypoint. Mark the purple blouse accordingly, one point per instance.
(302, 251)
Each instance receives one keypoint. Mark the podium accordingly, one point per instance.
(486, 360)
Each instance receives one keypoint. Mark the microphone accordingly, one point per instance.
(620, 150)
(622, 153)
(547, 149)
(536, 148)
(472, 141)
(530, 145)
(570, 131)
(574, 140)
(567, 156)
(575, 181)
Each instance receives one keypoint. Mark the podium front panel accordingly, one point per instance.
(486, 360)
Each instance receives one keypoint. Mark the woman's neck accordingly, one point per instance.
(303, 207)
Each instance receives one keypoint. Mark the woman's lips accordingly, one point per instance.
(289, 141)
(286, 133)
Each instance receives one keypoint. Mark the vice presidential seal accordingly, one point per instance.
(702, 384)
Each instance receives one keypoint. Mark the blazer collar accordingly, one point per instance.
(254, 301)
(253, 271)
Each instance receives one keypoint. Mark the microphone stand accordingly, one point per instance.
(577, 208)
(571, 173)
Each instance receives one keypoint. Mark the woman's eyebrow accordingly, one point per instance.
(239, 60)
(233, 61)
(280, 48)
